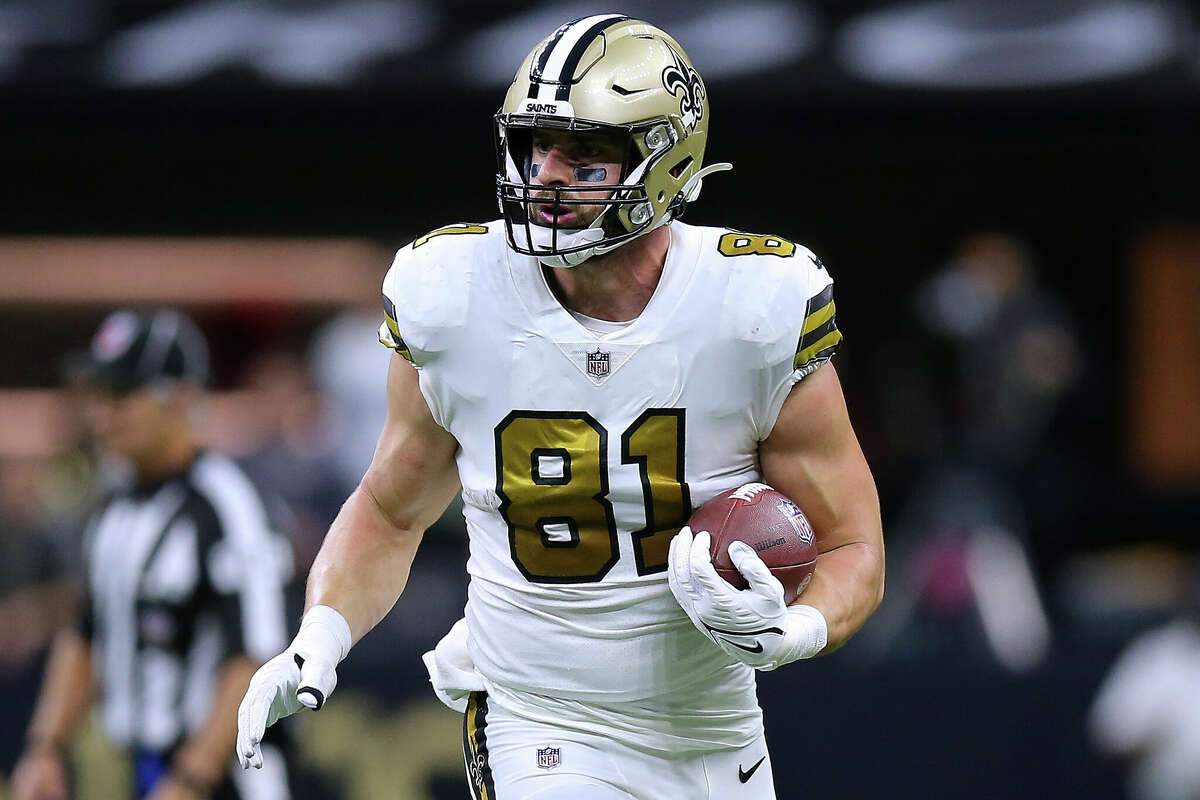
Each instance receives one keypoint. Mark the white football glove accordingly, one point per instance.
(751, 625)
(300, 677)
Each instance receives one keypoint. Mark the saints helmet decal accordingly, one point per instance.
(681, 79)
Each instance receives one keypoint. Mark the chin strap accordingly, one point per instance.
(691, 189)
(568, 260)
(690, 192)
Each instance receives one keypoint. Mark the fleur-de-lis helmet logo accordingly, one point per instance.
(680, 79)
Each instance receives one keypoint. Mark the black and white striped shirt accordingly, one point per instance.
(181, 574)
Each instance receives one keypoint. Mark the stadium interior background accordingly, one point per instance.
(1005, 194)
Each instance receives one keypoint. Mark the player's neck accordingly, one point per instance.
(615, 286)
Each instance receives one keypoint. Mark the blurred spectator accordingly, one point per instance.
(1016, 350)
(184, 583)
(351, 370)
(1016, 381)
(36, 563)
(962, 585)
(289, 448)
(978, 415)
(1147, 712)
(38, 576)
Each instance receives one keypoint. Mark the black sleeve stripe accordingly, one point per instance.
(823, 348)
(390, 339)
(816, 303)
(389, 332)
(828, 352)
(818, 333)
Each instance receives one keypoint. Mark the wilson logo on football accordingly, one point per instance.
(769, 543)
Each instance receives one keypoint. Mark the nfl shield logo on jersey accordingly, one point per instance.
(548, 757)
(597, 363)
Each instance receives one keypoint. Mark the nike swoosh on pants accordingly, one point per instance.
(744, 775)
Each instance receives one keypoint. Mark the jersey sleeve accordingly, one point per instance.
(819, 335)
(389, 330)
(425, 293)
(247, 565)
(808, 334)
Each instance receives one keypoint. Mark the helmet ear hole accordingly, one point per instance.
(662, 196)
(678, 169)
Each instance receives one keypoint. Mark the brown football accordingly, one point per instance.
(767, 521)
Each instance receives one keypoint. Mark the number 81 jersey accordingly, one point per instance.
(582, 454)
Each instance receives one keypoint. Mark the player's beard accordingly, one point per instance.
(567, 216)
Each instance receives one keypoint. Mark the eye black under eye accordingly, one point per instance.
(590, 174)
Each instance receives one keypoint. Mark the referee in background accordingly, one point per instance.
(184, 583)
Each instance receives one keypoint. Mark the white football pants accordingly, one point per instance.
(513, 758)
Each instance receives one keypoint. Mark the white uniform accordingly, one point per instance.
(582, 455)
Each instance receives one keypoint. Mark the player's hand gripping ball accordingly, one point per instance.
(751, 537)
(771, 524)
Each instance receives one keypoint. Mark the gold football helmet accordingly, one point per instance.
(608, 74)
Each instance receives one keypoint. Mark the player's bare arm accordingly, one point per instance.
(363, 564)
(813, 456)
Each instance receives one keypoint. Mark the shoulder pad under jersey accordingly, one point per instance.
(427, 290)
(780, 298)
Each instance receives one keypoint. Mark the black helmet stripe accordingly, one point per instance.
(538, 68)
(557, 62)
(572, 60)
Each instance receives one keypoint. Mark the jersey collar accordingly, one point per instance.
(550, 318)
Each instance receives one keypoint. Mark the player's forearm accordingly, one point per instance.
(66, 691)
(205, 756)
(364, 563)
(846, 588)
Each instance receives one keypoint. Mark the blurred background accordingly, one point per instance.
(1005, 193)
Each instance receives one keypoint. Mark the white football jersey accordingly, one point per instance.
(581, 455)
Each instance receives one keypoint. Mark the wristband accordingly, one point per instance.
(807, 634)
(321, 627)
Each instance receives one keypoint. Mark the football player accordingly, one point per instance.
(589, 369)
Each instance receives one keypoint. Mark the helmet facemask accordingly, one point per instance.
(626, 208)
